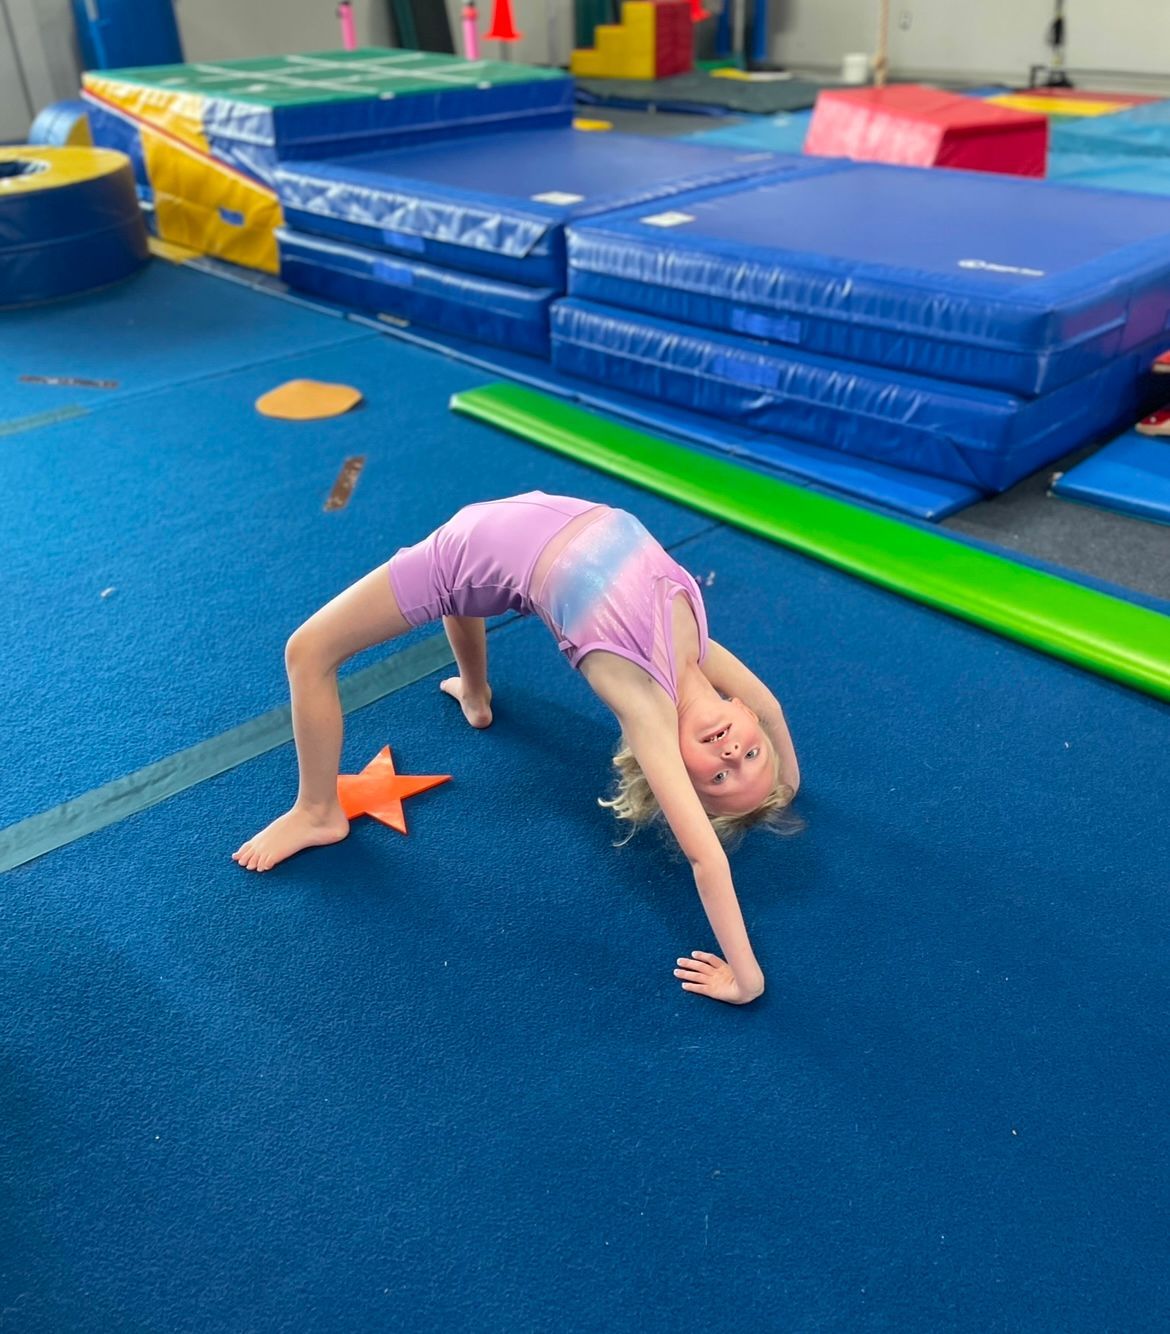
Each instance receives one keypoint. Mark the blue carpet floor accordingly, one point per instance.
(449, 1081)
(207, 522)
(165, 326)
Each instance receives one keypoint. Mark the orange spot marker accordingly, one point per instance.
(308, 400)
(378, 791)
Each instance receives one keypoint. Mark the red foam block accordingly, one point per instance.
(915, 126)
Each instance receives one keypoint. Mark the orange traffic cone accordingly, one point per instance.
(503, 27)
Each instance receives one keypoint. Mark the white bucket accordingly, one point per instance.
(855, 67)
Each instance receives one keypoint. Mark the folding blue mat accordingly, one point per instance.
(487, 310)
(162, 327)
(981, 279)
(499, 204)
(1141, 131)
(979, 437)
(1130, 475)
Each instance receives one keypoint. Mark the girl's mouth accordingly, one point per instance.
(715, 736)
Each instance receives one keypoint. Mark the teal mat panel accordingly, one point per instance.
(784, 133)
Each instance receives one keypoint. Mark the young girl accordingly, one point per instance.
(704, 742)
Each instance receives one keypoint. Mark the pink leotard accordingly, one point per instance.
(592, 574)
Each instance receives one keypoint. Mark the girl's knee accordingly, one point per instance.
(307, 649)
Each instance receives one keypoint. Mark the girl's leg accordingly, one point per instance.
(468, 641)
(365, 614)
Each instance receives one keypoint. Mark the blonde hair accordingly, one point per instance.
(635, 801)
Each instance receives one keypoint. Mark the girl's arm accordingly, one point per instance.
(725, 672)
(652, 734)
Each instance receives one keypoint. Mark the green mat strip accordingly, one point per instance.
(1093, 630)
(18, 424)
(52, 829)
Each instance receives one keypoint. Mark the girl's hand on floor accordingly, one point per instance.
(710, 976)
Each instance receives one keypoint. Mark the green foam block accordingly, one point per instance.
(1104, 634)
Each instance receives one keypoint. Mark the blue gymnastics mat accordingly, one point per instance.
(978, 437)
(1141, 131)
(1111, 171)
(165, 326)
(498, 205)
(1130, 475)
(487, 310)
(981, 279)
(784, 133)
(909, 493)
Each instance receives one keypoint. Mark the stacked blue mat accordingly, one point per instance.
(965, 326)
(468, 236)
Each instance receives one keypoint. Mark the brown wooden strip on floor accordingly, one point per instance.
(347, 478)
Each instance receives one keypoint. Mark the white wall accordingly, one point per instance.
(975, 39)
(978, 39)
(227, 29)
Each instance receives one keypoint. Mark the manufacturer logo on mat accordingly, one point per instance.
(989, 267)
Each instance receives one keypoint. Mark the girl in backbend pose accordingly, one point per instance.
(703, 743)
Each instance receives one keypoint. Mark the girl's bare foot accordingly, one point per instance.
(476, 709)
(289, 833)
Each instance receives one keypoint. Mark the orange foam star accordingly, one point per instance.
(378, 791)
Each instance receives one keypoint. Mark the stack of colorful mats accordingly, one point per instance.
(206, 139)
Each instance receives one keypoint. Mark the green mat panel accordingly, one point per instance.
(329, 76)
(1104, 634)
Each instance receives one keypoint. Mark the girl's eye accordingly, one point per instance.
(755, 750)
(719, 777)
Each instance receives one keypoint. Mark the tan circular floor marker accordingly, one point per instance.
(308, 400)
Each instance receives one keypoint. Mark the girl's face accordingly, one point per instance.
(728, 756)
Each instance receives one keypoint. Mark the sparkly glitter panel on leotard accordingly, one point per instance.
(612, 588)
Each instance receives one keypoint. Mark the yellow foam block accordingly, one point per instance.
(581, 123)
(638, 17)
(611, 41)
(586, 64)
(1058, 106)
(308, 400)
(171, 251)
(201, 204)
